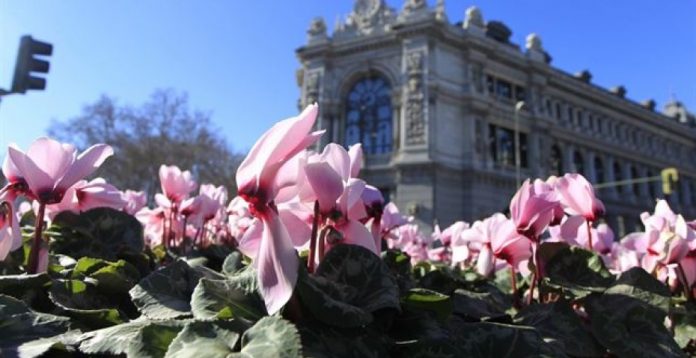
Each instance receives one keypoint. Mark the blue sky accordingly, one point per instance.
(236, 58)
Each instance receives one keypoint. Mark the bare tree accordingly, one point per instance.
(161, 131)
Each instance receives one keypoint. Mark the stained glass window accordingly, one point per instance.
(369, 116)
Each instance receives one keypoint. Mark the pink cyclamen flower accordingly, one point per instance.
(410, 240)
(355, 153)
(85, 195)
(391, 219)
(258, 182)
(135, 200)
(496, 238)
(176, 185)
(153, 221)
(50, 167)
(200, 209)
(533, 208)
(10, 236)
(578, 198)
(341, 202)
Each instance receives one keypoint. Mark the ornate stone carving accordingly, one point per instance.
(535, 49)
(440, 14)
(368, 16)
(534, 42)
(312, 88)
(415, 100)
(317, 28)
(414, 5)
(473, 18)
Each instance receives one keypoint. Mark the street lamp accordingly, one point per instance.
(518, 107)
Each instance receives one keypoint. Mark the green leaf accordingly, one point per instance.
(18, 285)
(365, 280)
(630, 327)
(271, 337)
(685, 325)
(60, 344)
(340, 343)
(166, 293)
(111, 340)
(639, 284)
(100, 233)
(225, 299)
(577, 271)
(112, 277)
(349, 285)
(232, 264)
(215, 255)
(558, 324)
(441, 280)
(19, 324)
(153, 340)
(84, 303)
(206, 340)
(326, 301)
(424, 299)
(485, 302)
(486, 339)
(397, 261)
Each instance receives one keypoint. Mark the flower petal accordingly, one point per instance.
(326, 184)
(36, 178)
(277, 264)
(357, 234)
(85, 164)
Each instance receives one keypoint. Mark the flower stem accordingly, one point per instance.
(589, 233)
(322, 239)
(536, 279)
(531, 288)
(513, 284)
(684, 282)
(313, 239)
(36, 243)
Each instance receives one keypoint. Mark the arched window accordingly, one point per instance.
(578, 164)
(369, 115)
(556, 161)
(599, 170)
(635, 186)
(618, 176)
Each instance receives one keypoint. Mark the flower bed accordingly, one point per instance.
(309, 260)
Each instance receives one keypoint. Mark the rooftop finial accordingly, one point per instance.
(317, 30)
(534, 42)
(440, 14)
(473, 18)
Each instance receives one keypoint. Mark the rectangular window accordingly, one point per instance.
(503, 89)
(571, 115)
(558, 111)
(502, 146)
(490, 84)
(492, 147)
(520, 94)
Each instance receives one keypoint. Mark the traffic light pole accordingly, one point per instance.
(627, 182)
(667, 177)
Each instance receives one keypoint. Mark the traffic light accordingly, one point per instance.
(669, 177)
(28, 65)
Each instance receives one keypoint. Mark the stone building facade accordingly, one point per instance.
(434, 104)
